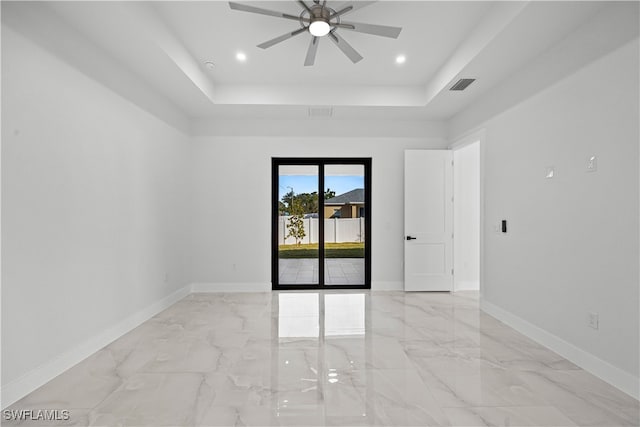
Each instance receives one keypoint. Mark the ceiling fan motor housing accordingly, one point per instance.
(320, 17)
(320, 13)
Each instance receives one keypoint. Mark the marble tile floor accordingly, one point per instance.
(329, 359)
(338, 271)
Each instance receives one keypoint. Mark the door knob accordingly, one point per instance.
(411, 238)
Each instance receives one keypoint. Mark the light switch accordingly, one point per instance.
(592, 164)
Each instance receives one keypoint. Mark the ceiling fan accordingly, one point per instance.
(321, 20)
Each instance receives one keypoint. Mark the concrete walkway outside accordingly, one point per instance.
(338, 271)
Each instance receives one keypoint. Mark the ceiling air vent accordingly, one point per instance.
(321, 112)
(462, 84)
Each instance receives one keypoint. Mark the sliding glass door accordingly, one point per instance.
(320, 223)
(298, 226)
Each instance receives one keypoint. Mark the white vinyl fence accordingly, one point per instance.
(336, 230)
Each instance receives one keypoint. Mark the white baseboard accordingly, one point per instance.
(387, 286)
(266, 287)
(231, 287)
(617, 377)
(20, 387)
(467, 285)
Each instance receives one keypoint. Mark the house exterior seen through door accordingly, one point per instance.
(321, 227)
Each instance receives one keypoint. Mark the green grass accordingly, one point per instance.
(331, 250)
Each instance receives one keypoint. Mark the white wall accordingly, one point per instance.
(42, 25)
(93, 208)
(232, 176)
(572, 245)
(466, 217)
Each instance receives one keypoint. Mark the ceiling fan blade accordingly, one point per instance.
(355, 5)
(341, 12)
(345, 47)
(281, 38)
(311, 52)
(303, 4)
(246, 8)
(376, 30)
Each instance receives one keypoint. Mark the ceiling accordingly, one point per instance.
(165, 44)
(202, 26)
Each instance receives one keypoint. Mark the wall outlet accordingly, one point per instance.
(593, 320)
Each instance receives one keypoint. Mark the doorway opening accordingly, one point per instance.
(321, 227)
(466, 215)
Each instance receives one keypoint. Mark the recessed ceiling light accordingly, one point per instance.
(401, 59)
(210, 64)
(240, 56)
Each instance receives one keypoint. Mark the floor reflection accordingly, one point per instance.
(317, 338)
(298, 315)
(344, 315)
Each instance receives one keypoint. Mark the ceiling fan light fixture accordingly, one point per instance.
(319, 28)
(321, 20)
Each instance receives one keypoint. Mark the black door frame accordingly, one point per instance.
(321, 162)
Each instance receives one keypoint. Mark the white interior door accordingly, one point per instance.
(428, 220)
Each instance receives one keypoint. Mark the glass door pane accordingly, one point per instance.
(344, 224)
(298, 201)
